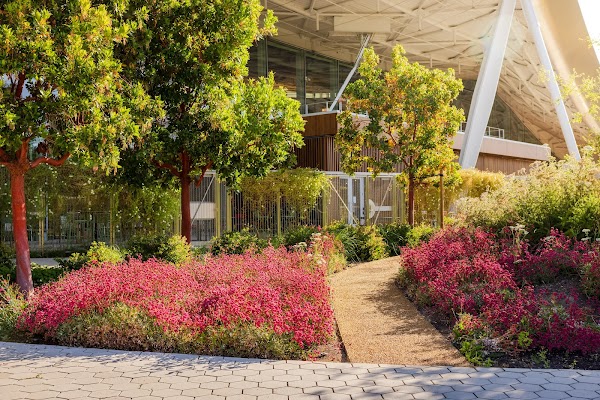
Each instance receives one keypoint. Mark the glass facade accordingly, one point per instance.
(314, 81)
(501, 117)
(311, 79)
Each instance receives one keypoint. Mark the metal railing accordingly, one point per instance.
(490, 131)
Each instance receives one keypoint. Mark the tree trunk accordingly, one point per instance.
(411, 201)
(19, 218)
(186, 218)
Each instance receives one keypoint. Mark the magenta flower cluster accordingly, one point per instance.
(496, 280)
(281, 290)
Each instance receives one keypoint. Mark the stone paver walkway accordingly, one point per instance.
(34, 372)
(378, 324)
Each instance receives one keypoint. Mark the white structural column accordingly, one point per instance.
(486, 86)
(559, 104)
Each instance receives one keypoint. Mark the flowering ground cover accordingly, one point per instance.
(507, 301)
(271, 304)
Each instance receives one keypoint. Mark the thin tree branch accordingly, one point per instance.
(204, 169)
(20, 85)
(50, 161)
(168, 167)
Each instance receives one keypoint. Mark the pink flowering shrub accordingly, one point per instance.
(555, 256)
(283, 292)
(483, 283)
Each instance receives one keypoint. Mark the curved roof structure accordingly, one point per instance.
(452, 34)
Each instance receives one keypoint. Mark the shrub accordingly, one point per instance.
(325, 249)
(6, 257)
(561, 194)
(12, 304)
(485, 279)
(361, 243)
(174, 249)
(299, 234)
(127, 328)
(237, 243)
(418, 234)
(281, 296)
(395, 236)
(98, 253)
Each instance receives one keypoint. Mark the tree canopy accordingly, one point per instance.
(63, 94)
(411, 121)
(193, 56)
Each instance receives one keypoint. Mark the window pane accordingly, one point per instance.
(321, 83)
(286, 65)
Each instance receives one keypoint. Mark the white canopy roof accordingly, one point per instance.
(450, 34)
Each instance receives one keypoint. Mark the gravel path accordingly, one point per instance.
(378, 324)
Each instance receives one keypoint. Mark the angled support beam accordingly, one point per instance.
(351, 73)
(486, 86)
(559, 104)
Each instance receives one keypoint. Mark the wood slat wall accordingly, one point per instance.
(319, 150)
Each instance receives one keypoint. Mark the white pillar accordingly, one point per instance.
(559, 104)
(486, 86)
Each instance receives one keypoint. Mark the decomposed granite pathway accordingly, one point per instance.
(36, 372)
(378, 324)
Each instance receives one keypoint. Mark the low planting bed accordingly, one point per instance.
(505, 302)
(273, 304)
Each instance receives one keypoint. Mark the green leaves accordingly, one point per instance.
(410, 122)
(63, 82)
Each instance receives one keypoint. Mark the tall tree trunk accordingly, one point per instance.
(411, 200)
(19, 218)
(186, 181)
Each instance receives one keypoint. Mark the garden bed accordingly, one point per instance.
(273, 304)
(505, 302)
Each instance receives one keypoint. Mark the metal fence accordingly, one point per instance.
(358, 199)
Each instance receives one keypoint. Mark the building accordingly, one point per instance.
(500, 48)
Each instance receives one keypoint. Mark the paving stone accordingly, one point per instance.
(476, 381)
(165, 392)
(553, 394)
(335, 396)
(437, 388)
(398, 396)
(490, 395)
(331, 383)
(104, 394)
(585, 394)
(272, 384)
(73, 394)
(227, 392)
(536, 380)
(526, 387)
(505, 381)
(241, 397)
(288, 391)
(588, 379)
(273, 397)
(318, 390)
(429, 396)
(378, 389)
(214, 385)
(408, 389)
(348, 390)
(520, 394)
(136, 393)
(155, 386)
(460, 395)
(304, 397)
(243, 384)
(467, 388)
(257, 391)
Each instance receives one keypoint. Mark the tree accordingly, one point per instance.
(194, 58)
(411, 121)
(63, 95)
